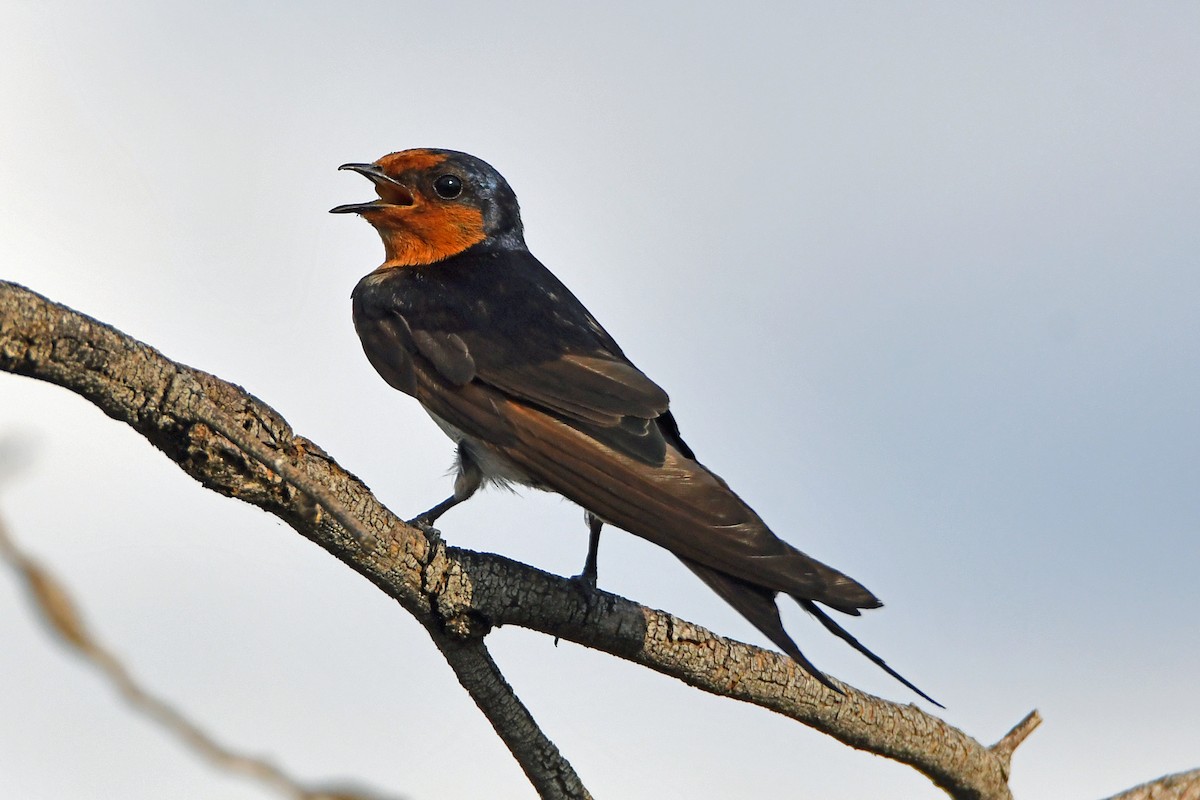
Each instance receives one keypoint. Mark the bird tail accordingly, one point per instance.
(757, 605)
(845, 635)
(825, 585)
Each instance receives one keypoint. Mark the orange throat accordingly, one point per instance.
(417, 236)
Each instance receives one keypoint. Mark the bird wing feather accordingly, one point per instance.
(677, 504)
(532, 375)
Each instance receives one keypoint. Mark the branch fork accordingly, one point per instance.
(238, 446)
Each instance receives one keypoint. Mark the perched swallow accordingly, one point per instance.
(535, 392)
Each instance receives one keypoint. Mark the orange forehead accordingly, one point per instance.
(405, 160)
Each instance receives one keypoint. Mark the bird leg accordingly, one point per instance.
(426, 518)
(589, 574)
(466, 483)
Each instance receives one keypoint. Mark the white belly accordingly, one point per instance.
(495, 467)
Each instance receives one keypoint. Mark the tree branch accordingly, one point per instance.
(545, 767)
(1004, 748)
(236, 445)
(1180, 786)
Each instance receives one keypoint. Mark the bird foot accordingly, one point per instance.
(584, 582)
(431, 533)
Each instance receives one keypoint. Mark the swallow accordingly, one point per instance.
(535, 392)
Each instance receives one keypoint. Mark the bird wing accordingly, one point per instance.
(672, 501)
(576, 416)
(517, 329)
(506, 354)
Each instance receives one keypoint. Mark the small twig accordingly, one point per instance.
(1010, 741)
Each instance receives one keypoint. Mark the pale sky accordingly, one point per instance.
(921, 281)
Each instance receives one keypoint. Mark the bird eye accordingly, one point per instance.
(448, 187)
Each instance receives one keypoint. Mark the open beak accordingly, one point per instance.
(391, 192)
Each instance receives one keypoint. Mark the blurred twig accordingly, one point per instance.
(61, 613)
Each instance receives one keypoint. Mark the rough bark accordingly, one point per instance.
(238, 446)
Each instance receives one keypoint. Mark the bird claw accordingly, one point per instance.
(431, 533)
(584, 582)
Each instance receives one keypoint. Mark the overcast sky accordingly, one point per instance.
(921, 281)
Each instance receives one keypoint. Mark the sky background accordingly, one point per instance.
(921, 281)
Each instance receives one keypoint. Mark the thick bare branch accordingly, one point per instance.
(236, 445)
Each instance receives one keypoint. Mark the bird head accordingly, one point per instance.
(435, 204)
